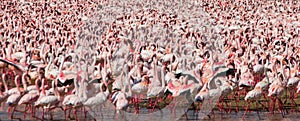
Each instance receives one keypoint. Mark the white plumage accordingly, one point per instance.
(99, 99)
(29, 98)
(120, 100)
(293, 81)
(47, 101)
(13, 99)
(254, 94)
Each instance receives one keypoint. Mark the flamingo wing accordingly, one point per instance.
(28, 98)
(18, 67)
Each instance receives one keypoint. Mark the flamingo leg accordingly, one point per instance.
(272, 105)
(263, 106)
(101, 112)
(75, 114)
(136, 101)
(43, 115)
(246, 110)
(84, 111)
(69, 114)
(280, 107)
(12, 113)
(32, 111)
(150, 105)
(197, 111)
(292, 97)
(9, 109)
(35, 108)
(227, 105)
(65, 112)
(257, 110)
(236, 104)
(24, 114)
(154, 105)
(220, 105)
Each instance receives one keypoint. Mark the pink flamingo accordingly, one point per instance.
(78, 100)
(67, 99)
(276, 89)
(13, 99)
(49, 102)
(120, 98)
(138, 90)
(3, 95)
(253, 95)
(98, 99)
(31, 97)
(154, 89)
(292, 82)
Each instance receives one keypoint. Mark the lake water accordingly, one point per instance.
(108, 114)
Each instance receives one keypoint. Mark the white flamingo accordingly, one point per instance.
(120, 98)
(30, 97)
(78, 101)
(154, 89)
(253, 95)
(49, 102)
(67, 99)
(98, 99)
(13, 99)
(3, 95)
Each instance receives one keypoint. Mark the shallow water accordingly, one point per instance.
(109, 114)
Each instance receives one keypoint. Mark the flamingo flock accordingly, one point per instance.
(148, 56)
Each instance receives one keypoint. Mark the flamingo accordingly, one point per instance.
(78, 100)
(209, 93)
(50, 73)
(119, 98)
(256, 93)
(19, 56)
(49, 102)
(253, 95)
(154, 89)
(276, 89)
(139, 89)
(64, 77)
(292, 83)
(31, 97)
(67, 98)
(98, 99)
(246, 80)
(13, 99)
(3, 95)
(202, 94)
(146, 54)
(33, 75)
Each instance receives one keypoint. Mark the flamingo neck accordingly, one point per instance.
(163, 83)
(24, 81)
(129, 84)
(43, 87)
(17, 84)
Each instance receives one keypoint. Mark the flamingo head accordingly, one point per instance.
(61, 76)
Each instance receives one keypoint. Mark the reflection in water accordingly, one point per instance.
(111, 115)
